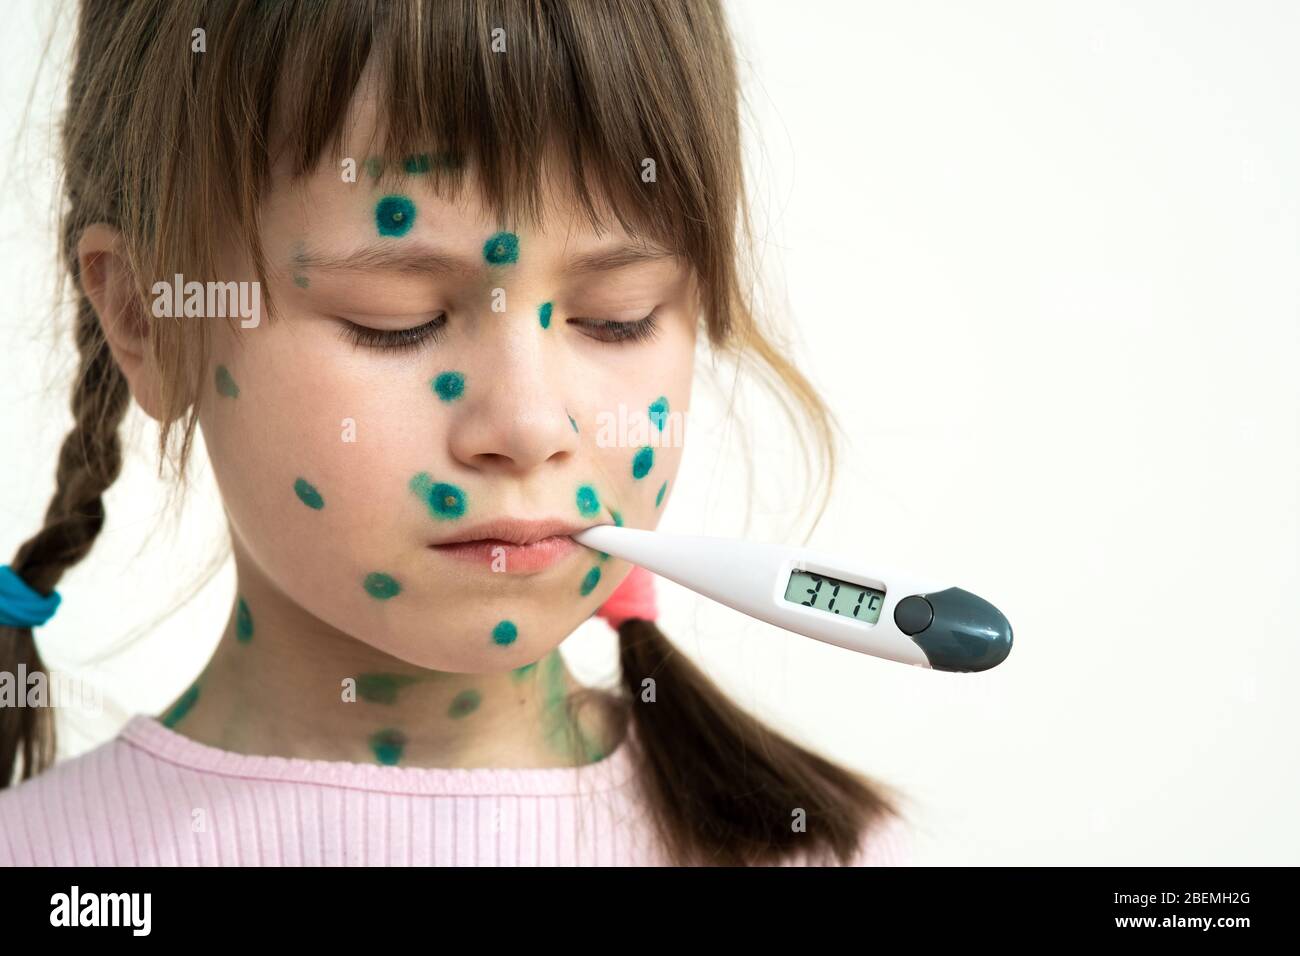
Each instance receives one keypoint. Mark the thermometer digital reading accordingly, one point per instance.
(895, 616)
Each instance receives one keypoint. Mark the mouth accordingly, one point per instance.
(513, 546)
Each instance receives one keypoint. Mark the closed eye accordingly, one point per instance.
(394, 340)
(607, 330)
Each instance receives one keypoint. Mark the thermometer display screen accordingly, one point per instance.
(834, 596)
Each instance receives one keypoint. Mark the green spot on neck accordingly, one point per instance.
(182, 706)
(243, 622)
(464, 703)
(387, 745)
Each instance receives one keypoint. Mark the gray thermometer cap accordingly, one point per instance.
(956, 630)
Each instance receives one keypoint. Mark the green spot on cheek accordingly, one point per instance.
(301, 282)
(659, 498)
(387, 745)
(381, 586)
(308, 495)
(394, 216)
(590, 581)
(445, 501)
(243, 623)
(643, 462)
(573, 423)
(449, 386)
(182, 706)
(505, 633)
(659, 412)
(466, 702)
(502, 249)
(544, 314)
(588, 502)
(226, 383)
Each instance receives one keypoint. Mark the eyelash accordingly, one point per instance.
(395, 340)
(401, 340)
(642, 330)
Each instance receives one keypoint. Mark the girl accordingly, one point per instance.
(467, 236)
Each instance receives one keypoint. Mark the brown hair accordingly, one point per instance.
(169, 146)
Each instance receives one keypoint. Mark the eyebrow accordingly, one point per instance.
(419, 259)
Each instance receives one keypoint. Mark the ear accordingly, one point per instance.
(108, 283)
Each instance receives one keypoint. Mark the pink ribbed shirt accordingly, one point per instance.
(150, 796)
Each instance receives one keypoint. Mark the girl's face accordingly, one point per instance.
(428, 374)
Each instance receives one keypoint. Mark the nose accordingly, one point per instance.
(513, 417)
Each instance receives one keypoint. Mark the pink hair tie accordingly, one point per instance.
(633, 598)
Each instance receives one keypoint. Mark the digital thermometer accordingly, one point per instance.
(895, 616)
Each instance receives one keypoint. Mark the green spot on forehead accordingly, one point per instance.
(394, 216)
(502, 249)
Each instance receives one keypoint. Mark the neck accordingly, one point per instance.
(283, 683)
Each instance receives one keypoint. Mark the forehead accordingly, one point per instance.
(344, 188)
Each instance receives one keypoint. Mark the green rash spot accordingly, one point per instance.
(618, 518)
(381, 586)
(374, 166)
(643, 462)
(573, 423)
(301, 282)
(308, 495)
(464, 703)
(659, 498)
(505, 633)
(544, 314)
(659, 412)
(419, 163)
(519, 673)
(502, 249)
(182, 706)
(226, 383)
(387, 745)
(445, 501)
(382, 688)
(449, 386)
(243, 623)
(588, 502)
(394, 216)
(590, 581)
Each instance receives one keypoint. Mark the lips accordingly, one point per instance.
(512, 546)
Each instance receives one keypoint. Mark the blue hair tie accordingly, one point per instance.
(20, 606)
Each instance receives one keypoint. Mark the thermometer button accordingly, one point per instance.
(913, 615)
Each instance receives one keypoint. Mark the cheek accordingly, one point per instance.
(309, 460)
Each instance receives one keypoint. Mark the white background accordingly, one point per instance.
(1042, 259)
